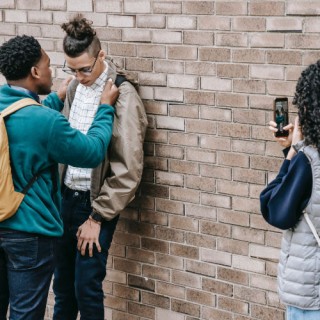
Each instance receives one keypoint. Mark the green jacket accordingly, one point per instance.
(39, 139)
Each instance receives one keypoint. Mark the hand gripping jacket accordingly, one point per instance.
(10, 199)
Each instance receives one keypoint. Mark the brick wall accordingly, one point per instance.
(193, 244)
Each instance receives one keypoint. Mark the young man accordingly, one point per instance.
(94, 198)
(39, 138)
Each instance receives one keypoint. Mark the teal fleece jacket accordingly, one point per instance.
(40, 138)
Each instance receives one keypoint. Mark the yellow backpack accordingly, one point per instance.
(10, 199)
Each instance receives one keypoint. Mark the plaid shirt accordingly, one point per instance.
(83, 111)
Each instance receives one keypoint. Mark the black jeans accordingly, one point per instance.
(78, 279)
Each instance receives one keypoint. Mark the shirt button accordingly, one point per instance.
(76, 193)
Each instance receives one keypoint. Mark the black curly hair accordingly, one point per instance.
(18, 56)
(307, 100)
(80, 38)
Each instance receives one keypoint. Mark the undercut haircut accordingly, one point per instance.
(18, 55)
(80, 37)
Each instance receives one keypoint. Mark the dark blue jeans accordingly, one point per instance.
(78, 279)
(26, 268)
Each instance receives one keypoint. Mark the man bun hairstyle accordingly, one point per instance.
(18, 55)
(80, 37)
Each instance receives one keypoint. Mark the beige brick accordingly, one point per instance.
(247, 205)
(267, 313)
(186, 279)
(167, 7)
(201, 126)
(233, 188)
(109, 34)
(127, 266)
(156, 22)
(156, 272)
(249, 294)
(181, 22)
(215, 200)
(169, 261)
(293, 73)
(116, 276)
(118, 315)
(232, 246)
(182, 52)
(185, 307)
(209, 314)
(170, 290)
(267, 40)
(172, 123)
(233, 159)
(7, 4)
(285, 24)
(184, 111)
(184, 167)
(154, 245)
(15, 16)
(232, 71)
(152, 217)
(169, 178)
(267, 72)
(249, 86)
(248, 146)
(231, 8)
(233, 305)
(233, 276)
(232, 100)
(156, 300)
(273, 239)
(169, 206)
(256, 117)
(151, 51)
(34, 17)
(284, 57)
(60, 5)
(201, 155)
(125, 292)
(182, 81)
(137, 64)
(261, 102)
(201, 268)
(248, 55)
(28, 4)
(216, 257)
(199, 38)
(136, 35)
(283, 88)
(116, 303)
(265, 253)
(141, 310)
(137, 6)
(231, 40)
(141, 282)
(169, 94)
(214, 54)
(233, 217)
(296, 41)
(120, 21)
(122, 49)
(140, 255)
(234, 130)
(200, 297)
(30, 30)
(184, 223)
(215, 83)
(201, 68)
(200, 211)
(152, 79)
(198, 7)
(187, 195)
(300, 8)
(248, 24)
(73, 5)
(215, 143)
(248, 264)
(157, 136)
(200, 97)
(248, 175)
(310, 57)
(109, 6)
(200, 240)
(170, 234)
(267, 8)
(310, 25)
(201, 183)
(166, 66)
(218, 287)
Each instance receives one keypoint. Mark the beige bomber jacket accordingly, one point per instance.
(115, 181)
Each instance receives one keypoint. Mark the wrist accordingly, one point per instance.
(96, 217)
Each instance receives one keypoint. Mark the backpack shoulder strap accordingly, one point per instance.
(120, 79)
(18, 105)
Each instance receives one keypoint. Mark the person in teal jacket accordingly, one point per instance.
(39, 138)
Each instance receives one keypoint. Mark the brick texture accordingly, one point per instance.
(193, 244)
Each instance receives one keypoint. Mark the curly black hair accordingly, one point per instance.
(18, 56)
(80, 38)
(307, 100)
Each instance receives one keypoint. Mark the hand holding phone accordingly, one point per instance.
(281, 116)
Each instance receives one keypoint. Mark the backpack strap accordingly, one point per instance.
(119, 80)
(18, 105)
